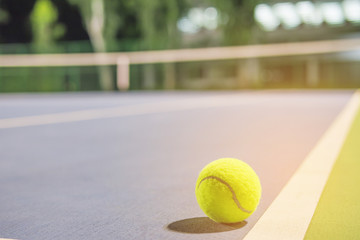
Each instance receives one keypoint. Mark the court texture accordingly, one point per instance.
(124, 165)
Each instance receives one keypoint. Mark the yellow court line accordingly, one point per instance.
(83, 115)
(289, 216)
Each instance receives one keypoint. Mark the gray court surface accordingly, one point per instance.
(133, 176)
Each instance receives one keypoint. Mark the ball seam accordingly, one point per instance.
(231, 190)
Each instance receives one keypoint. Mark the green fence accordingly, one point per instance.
(273, 72)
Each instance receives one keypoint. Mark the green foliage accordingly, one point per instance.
(152, 21)
(237, 20)
(44, 26)
(44, 12)
(158, 22)
(45, 31)
(112, 20)
(4, 16)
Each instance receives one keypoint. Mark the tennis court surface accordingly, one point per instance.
(124, 165)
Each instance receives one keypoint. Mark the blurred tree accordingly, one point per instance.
(154, 21)
(45, 31)
(45, 27)
(237, 21)
(101, 20)
(4, 15)
(237, 27)
(158, 23)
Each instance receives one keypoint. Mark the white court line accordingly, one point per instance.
(289, 216)
(75, 116)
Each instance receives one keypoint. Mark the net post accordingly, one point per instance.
(123, 73)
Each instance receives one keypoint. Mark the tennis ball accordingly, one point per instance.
(228, 190)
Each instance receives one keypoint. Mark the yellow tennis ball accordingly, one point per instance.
(228, 190)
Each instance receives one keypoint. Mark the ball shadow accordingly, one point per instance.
(203, 225)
